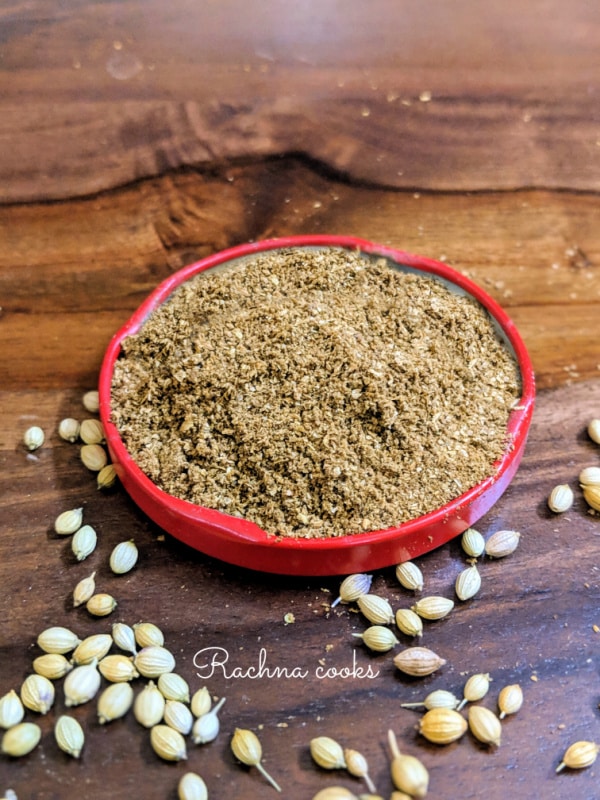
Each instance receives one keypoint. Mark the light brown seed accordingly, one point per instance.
(21, 739)
(91, 431)
(468, 583)
(327, 753)
(84, 590)
(149, 706)
(485, 725)
(410, 576)
(408, 622)
(433, 607)
(114, 702)
(81, 684)
(68, 522)
(153, 661)
(473, 543)
(510, 700)
(378, 638)
(442, 725)
(439, 698)
(101, 605)
(91, 401)
(191, 787)
(418, 661)
(246, 747)
(376, 609)
(68, 429)
(93, 456)
(502, 543)
(118, 668)
(589, 476)
(579, 755)
(52, 666)
(69, 735)
(168, 743)
(352, 587)
(57, 640)
(476, 688)
(92, 648)
(11, 710)
(561, 498)
(408, 773)
(37, 693)
(147, 634)
(106, 477)
(591, 494)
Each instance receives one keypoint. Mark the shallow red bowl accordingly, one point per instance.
(241, 542)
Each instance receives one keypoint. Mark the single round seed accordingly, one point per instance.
(561, 498)
(84, 590)
(579, 755)
(92, 648)
(410, 576)
(191, 787)
(442, 725)
(84, 542)
(178, 716)
(433, 607)
(408, 622)
(468, 583)
(485, 725)
(149, 706)
(93, 456)
(33, 438)
(107, 477)
(52, 666)
(147, 634)
(510, 700)
(81, 684)
(153, 661)
(473, 543)
(69, 735)
(101, 605)
(123, 557)
(68, 429)
(594, 430)
(589, 476)
(91, 431)
(114, 702)
(11, 710)
(173, 687)
(168, 743)
(68, 522)
(21, 739)
(91, 401)
(502, 543)
(327, 753)
(57, 640)
(352, 587)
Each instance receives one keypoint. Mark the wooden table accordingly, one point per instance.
(138, 137)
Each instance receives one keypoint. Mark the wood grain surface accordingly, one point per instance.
(138, 137)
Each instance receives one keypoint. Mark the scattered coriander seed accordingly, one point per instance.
(93, 647)
(408, 773)
(410, 576)
(468, 583)
(408, 622)
(502, 543)
(168, 743)
(149, 706)
(69, 735)
(101, 605)
(152, 661)
(442, 725)
(21, 739)
(378, 638)
(561, 498)
(201, 702)
(37, 693)
(123, 557)
(93, 456)
(191, 787)
(473, 543)
(206, 727)
(124, 637)
(91, 401)
(81, 684)
(476, 688)
(118, 668)
(593, 430)
(589, 476)
(353, 587)
(68, 429)
(591, 495)
(178, 716)
(485, 725)
(106, 477)
(11, 710)
(335, 793)
(52, 666)
(57, 640)
(33, 438)
(84, 590)
(357, 765)
(510, 700)
(327, 753)
(84, 542)
(91, 431)
(114, 702)
(579, 756)
(433, 607)
(147, 634)
(439, 698)
(173, 687)
(418, 661)
(376, 609)
(68, 522)
(246, 747)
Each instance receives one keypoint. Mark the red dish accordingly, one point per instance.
(243, 543)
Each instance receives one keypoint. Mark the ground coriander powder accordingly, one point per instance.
(315, 391)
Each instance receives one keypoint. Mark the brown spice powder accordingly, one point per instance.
(316, 392)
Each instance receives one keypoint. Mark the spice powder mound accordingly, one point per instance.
(316, 392)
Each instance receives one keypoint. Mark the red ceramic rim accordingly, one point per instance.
(238, 541)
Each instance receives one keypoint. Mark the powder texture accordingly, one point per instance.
(316, 392)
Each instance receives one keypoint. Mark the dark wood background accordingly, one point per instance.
(137, 137)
